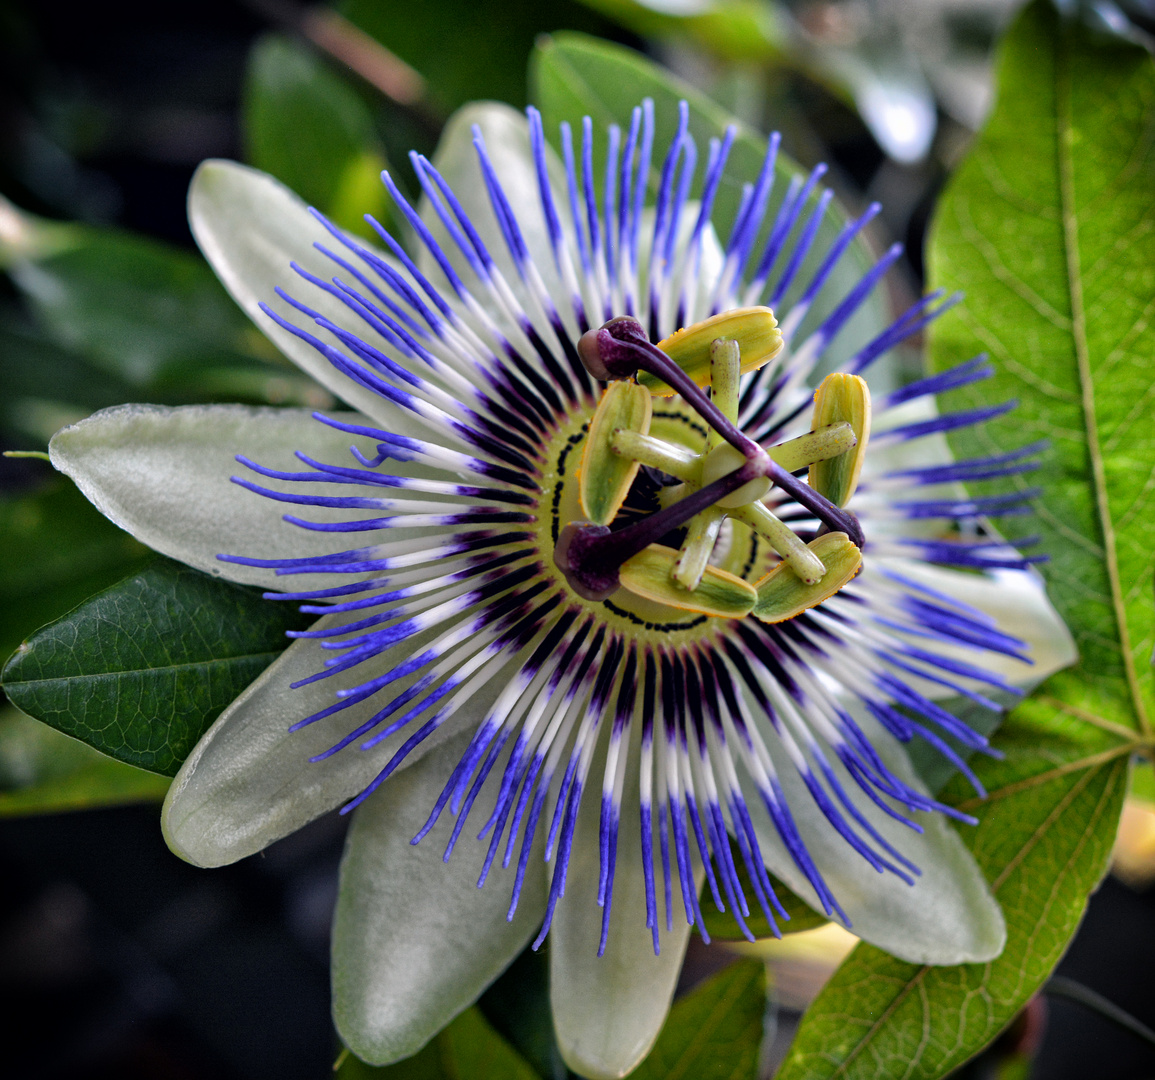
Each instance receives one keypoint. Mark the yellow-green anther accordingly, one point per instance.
(782, 594)
(694, 556)
(830, 441)
(841, 397)
(649, 574)
(725, 459)
(605, 476)
(805, 564)
(754, 329)
(725, 374)
(646, 450)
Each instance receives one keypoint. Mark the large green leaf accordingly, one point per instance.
(714, 1031)
(43, 772)
(58, 550)
(1049, 227)
(306, 125)
(140, 670)
(468, 1049)
(572, 76)
(1044, 843)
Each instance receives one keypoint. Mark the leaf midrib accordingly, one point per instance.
(14, 683)
(1064, 132)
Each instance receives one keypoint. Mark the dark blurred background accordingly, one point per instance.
(116, 959)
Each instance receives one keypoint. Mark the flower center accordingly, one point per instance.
(699, 488)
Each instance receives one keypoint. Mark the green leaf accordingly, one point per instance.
(43, 772)
(1044, 843)
(572, 76)
(468, 1049)
(58, 550)
(517, 1004)
(140, 670)
(714, 1031)
(306, 125)
(1049, 227)
(144, 311)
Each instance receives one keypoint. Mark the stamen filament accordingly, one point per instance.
(668, 457)
(701, 535)
(620, 349)
(820, 445)
(782, 539)
(725, 373)
(590, 556)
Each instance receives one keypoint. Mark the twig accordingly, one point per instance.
(333, 34)
(1060, 986)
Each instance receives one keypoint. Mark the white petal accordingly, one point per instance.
(163, 475)
(414, 940)
(249, 780)
(506, 135)
(947, 917)
(250, 227)
(921, 453)
(609, 1010)
(1017, 599)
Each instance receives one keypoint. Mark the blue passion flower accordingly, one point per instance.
(622, 609)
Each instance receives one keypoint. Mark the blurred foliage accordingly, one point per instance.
(44, 771)
(468, 51)
(715, 1030)
(308, 127)
(58, 550)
